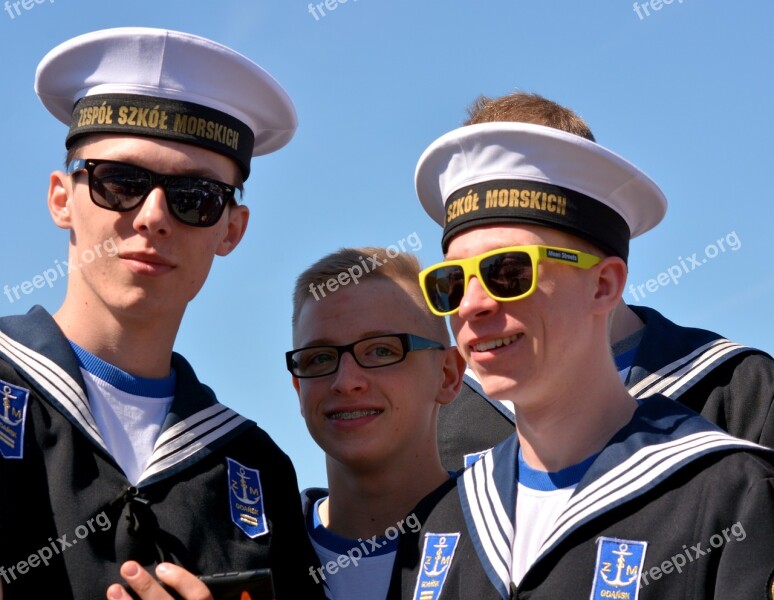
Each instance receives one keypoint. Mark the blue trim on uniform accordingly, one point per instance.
(660, 346)
(500, 488)
(656, 421)
(546, 481)
(126, 382)
(342, 545)
(625, 359)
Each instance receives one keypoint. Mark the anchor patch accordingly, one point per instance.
(618, 568)
(13, 410)
(246, 499)
(437, 556)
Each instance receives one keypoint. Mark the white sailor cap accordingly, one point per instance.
(167, 84)
(520, 172)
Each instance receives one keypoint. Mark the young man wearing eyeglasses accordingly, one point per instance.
(372, 366)
(102, 424)
(597, 495)
(729, 384)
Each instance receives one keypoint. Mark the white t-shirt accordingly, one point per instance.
(129, 410)
(367, 576)
(540, 500)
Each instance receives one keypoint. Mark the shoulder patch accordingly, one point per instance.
(246, 499)
(13, 412)
(437, 556)
(618, 568)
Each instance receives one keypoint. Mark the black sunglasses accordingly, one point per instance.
(122, 187)
(370, 353)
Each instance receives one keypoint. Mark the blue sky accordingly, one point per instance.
(684, 92)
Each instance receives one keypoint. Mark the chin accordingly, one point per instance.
(500, 387)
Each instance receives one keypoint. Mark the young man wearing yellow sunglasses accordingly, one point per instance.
(729, 384)
(597, 495)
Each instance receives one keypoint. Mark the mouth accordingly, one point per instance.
(496, 343)
(151, 259)
(353, 414)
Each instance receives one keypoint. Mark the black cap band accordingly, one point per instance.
(532, 202)
(169, 119)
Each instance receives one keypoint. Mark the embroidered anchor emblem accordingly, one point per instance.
(440, 560)
(5, 417)
(620, 565)
(245, 497)
(437, 556)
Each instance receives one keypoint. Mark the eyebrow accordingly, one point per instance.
(183, 171)
(327, 342)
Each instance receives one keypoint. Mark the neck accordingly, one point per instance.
(584, 411)
(361, 505)
(625, 323)
(138, 346)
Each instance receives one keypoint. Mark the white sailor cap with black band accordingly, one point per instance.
(508, 172)
(166, 84)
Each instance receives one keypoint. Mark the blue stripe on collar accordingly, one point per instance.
(545, 481)
(126, 382)
(374, 546)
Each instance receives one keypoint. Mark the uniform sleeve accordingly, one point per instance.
(747, 565)
(291, 555)
(740, 397)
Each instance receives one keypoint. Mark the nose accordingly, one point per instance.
(476, 303)
(350, 376)
(153, 214)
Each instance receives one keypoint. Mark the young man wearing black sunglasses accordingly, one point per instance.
(597, 495)
(101, 422)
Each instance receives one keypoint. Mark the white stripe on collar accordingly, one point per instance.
(485, 503)
(57, 383)
(636, 474)
(632, 477)
(174, 445)
(677, 377)
(186, 438)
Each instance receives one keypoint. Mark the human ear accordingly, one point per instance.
(59, 196)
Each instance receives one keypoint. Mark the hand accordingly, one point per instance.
(186, 584)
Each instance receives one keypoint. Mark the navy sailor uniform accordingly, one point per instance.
(729, 384)
(696, 503)
(217, 495)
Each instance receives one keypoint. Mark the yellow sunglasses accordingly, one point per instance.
(506, 274)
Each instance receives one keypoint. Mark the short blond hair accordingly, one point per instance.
(401, 268)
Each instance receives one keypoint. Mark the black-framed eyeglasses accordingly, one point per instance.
(122, 187)
(370, 353)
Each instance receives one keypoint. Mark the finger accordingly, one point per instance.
(116, 592)
(183, 582)
(142, 582)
